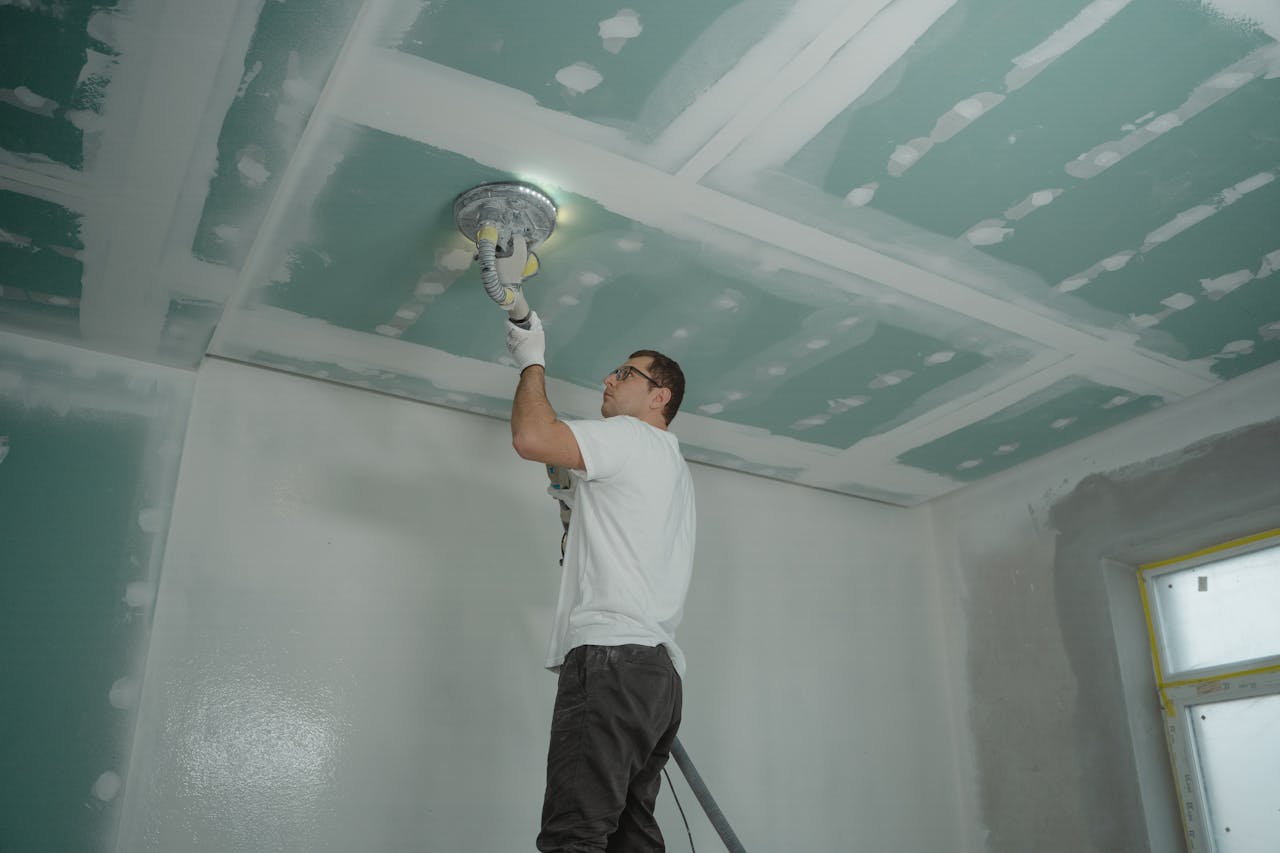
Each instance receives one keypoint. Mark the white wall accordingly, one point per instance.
(1048, 632)
(350, 627)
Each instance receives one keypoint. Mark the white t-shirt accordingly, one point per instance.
(629, 555)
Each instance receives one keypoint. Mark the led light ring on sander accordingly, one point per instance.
(491, 215)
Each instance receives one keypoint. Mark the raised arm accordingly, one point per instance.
(536, 433)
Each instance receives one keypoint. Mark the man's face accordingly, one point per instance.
(628, 396)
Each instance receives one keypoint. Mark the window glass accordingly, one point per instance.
(1219, 613)
(1238, 744)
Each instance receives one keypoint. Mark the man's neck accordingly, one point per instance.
(659, 423)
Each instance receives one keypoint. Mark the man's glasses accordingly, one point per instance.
(622, 374)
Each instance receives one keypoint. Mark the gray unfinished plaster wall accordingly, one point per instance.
(1059, 697)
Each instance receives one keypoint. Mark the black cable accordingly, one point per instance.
(681, 808)
(699, 788)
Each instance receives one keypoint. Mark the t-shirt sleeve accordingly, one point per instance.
(605, 445)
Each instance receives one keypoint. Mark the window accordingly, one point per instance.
(1214, 622)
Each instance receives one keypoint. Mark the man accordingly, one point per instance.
(627, 563)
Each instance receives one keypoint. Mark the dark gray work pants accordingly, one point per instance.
(617, 711)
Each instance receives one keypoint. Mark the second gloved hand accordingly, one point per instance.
(527, 347)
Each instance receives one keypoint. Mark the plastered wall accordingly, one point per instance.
(349, 634)
(1048, 633)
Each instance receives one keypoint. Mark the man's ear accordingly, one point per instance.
(659, 401)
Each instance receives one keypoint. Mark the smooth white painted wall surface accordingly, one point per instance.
(353, 612)
(815, 704)
(1062, 759)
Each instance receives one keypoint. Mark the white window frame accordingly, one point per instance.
(1180, 692)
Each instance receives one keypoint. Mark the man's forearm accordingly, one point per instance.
(531, 410)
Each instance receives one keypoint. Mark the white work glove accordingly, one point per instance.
(527, 347)
(561, 487)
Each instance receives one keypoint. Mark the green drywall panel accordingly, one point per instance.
(71, 495)
(1229, 365)
(665, 286)
(1178, 170)
(88, 471)
(854, 375)
(1104, 88)
(39, 254)
(1237, 237)
(373, 241)
(1021, 145)
(682, 49)
(188, 327)
(45, 47)
(967, 51)
(375, 229)
(372, 256)
(288, 61)
(1054, 417)
(42, 222)
(41, 270)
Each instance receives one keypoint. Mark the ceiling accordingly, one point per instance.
(897, 246)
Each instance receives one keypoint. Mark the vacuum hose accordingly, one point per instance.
(509, 298)
(717, 818)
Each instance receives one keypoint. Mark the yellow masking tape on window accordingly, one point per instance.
(1243, 673)
(1155, 647)
(1151, 628)
(1234, 543)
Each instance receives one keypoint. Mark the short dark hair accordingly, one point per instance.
(667, 373)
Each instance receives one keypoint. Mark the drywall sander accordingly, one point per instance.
(507, 221)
